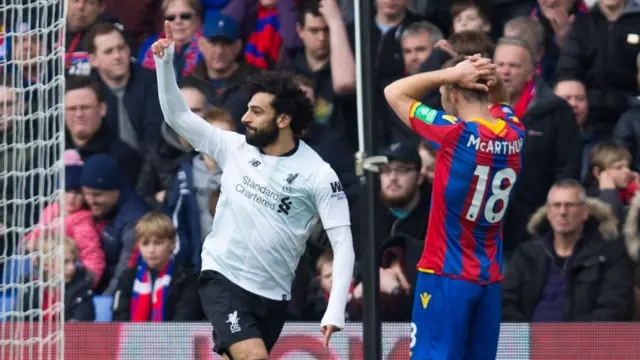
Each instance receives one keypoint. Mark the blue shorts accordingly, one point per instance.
(454, 319)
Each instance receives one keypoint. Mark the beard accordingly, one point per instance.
(397, 201)
(263, 137)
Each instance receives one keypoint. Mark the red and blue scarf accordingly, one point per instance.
(151, 299)
(192, 56)
(263, 48)
(529, 93)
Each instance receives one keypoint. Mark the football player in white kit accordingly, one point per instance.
(274, 189)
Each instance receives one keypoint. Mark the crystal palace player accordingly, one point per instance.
(456, 311)
(274, 189)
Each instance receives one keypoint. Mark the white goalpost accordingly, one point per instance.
(31, 178)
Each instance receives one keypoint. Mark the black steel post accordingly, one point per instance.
(369, 262)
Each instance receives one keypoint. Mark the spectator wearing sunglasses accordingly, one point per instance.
(185, 17)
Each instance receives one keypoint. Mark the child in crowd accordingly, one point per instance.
(610, 177)
(78, 296)
(470, 15)
(322, 288)
(192, 199)
(78, 220)
(158, 288)
(428, 156)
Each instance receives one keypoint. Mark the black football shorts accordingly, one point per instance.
(237, 314)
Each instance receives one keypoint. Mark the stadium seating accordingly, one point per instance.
(103, 308)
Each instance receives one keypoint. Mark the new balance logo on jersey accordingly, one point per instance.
(285, 205)
(254, 162)
(233, 321)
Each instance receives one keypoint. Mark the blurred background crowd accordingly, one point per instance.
(571, 68)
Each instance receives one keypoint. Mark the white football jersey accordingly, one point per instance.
(267, 208)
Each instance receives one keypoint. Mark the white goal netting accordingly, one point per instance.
(31, 178)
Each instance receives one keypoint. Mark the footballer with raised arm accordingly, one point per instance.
(457, 305)
(274, 190)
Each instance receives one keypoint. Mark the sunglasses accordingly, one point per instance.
(182, 16)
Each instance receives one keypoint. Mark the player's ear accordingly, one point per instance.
(92, 60)
(595, 171)
(283, 121)
(421, 178)
(103, 109)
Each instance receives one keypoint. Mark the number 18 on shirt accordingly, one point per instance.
(457, 299)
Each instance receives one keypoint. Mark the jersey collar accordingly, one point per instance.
(497, 128)
(288, 153)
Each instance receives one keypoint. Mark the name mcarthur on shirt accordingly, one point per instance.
(499, 147)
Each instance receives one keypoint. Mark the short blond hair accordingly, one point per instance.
(48, 244)
(606, 154)
(325, 258)
(216, 114)
(155, 224)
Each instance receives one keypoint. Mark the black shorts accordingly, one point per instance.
(237, 314)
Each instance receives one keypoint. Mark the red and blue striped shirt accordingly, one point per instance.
(477, 163)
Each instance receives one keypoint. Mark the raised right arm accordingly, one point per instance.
(174, 108)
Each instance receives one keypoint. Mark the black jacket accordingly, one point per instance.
(160, 166)
(183, 301)
(603, 55)
(599, 275)
(334, 149)
(339, 112)
(232, 97)
(552, 151)
(404, 243)
(627, 132)
(78, 298)
(142, 105)
(631, 230)
(107, 141)
(386, 49)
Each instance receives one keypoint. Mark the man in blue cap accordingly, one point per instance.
(116, 210)
(220, 76)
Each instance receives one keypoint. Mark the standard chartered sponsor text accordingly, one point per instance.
(261, 195)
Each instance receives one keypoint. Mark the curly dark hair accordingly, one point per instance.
(288, 97)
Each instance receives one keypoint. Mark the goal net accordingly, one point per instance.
(31, 178)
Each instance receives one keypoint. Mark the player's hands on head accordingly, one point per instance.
(474, 69)
(161, 45)
(498, 92)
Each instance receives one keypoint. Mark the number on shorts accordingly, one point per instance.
(414, 330)
(498, 194)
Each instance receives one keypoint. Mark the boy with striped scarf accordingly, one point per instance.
(158, 288)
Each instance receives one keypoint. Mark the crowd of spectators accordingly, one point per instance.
(139, 201)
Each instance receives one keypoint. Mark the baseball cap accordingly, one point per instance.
(217, 25)
(402, 152)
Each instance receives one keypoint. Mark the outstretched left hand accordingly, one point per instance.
(327, 331)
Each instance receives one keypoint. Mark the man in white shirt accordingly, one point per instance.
(274, 189)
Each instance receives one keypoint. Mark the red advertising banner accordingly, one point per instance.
(586, 341)
(302, 341)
